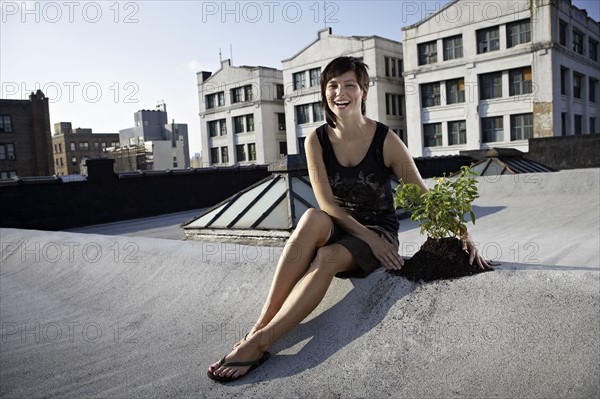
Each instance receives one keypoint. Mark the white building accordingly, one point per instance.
(166, 143)
(301, 78)
(496, 73)
(242, 118)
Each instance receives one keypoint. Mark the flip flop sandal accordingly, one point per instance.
(253, 365)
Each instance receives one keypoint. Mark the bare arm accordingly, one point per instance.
(317, 172)
(397, 157)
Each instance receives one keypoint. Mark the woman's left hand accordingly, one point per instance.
(475, 259)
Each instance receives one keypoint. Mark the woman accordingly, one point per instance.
(350, 162)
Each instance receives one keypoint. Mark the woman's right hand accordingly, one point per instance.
(386, 253)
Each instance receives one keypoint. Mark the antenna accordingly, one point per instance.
(220, 57)
(231, 54)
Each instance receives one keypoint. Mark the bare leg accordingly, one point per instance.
(312, 232)
(304, 298)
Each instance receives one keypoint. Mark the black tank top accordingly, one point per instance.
(363, 190)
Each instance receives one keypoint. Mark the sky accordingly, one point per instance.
(99, 62)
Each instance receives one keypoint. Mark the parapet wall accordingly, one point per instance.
(570, 182)
(50, 204)
(568, 152)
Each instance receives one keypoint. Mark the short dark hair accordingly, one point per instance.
(337, 67)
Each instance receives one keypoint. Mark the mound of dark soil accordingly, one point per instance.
(438, 259)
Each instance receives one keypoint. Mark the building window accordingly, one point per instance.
(453, 47)
(248, 94)
(250, 122)
(391, 67)
(238, 124)
(252, 152)
(223, 127)
(7, 152)
(564, 72)
(6, 123)
(214, 155)
(73, 147)
(96, 146)
(214, 100)
(430, 94)
(282, 148)
(521, 127)
(213, 128)
(279, 91)
(315, 76)
(393, 104)
(518, 33)
(400, 133)
(492, 129)
(427, 52)
(577, 41)
(74, 161)
(84, 146)
(563, 124)
(224, 155)
(240, 152)
(210, 101)
(490, 85)
(241, 94)
(562, 33)
(593, 45)
(520, 81)
(299, 80)
(303, 113)
(301, 148)
(577, 122)
(577, 85)
(281, 120)
(592, 128)
(593, 88)
(488, 40)
(237, 95)
(455, 91)
(318, 114)
(457, 132)
(103, 146)
(432, 134)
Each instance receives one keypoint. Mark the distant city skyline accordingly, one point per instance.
(100, 62)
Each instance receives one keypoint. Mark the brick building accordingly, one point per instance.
(25, 137)
(73, 146)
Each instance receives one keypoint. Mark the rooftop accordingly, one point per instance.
(100, 315)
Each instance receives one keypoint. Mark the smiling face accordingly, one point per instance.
(344, 86)
(344, 95)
